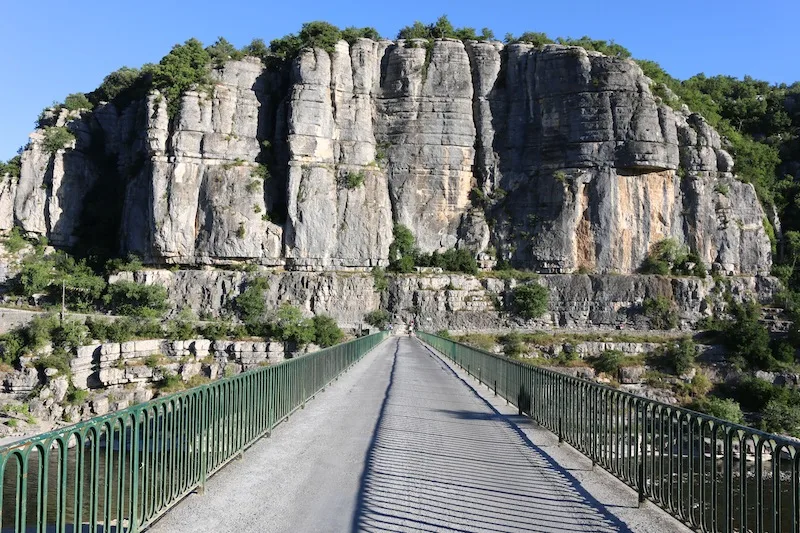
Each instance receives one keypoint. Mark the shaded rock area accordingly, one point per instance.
(553, 158)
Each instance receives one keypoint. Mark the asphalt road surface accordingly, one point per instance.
(404, 442)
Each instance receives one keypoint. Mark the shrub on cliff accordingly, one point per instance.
(726, 409)
(185, 66)
(378, 318)
(289, 325)
(77, 102)
(136, 299)
(11, 167)
(443, 28)
(681, 356)
(56, 138)
(662, 312)
(251, 303)
(326, 331)
(221, 51)
(529, 301)
(460, 260)
(115, 84)
(402, 252)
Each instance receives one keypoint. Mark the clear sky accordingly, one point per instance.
(53, 48)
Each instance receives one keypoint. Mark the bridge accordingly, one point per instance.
(395, 433)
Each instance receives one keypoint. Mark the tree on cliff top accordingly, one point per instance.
(317, 34)
(185, 66)
(441, 29)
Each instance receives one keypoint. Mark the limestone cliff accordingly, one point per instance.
(557, 158)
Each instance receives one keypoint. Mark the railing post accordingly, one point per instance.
(642, 454)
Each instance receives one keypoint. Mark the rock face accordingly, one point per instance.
(557, 158)
(461, 302)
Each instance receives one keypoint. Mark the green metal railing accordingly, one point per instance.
(711, 474)
(121, 471)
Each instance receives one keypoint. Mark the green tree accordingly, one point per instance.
(56, 138)
(746, 337)
(609, 362)
(378, 318)
(351, 34)
(12, 167)
(681, 356)
(257, 48)
(184, 67)
(530, 300)
(402, 251)
(116, 83)
(221, 51)
(662, 312)
(726, 409)
(290, 326)
(251, 304)
(326, 331)
(135, 299)
(77, 101)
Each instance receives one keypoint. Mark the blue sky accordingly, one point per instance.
(53, 48)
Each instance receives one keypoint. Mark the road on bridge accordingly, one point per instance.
(404, 442)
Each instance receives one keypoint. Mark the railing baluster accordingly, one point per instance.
(668, 453)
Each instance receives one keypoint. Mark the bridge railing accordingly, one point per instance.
(121, 471)
(711, 474)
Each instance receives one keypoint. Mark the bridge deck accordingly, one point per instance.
(403, 442)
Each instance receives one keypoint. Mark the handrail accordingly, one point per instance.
(123, 470)
(713, 475)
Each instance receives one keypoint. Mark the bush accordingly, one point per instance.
(379, 279)
(402, 251)
(378, 318)
(353, 180)
(661, 312)
(222, 51)
(115, 84)
(185, 66)
(12, 167)
(681, 356)
(746, 337)
(12, 346)
(290, 326)
(56, 138)
(133, 263)
(529, 301)
(76, 396)
(326, 331)
(609, 362)
(781, 417)
(181, 328)
(442, 28)
(460, 260)
(77, 101)
(726, 409)
(513, 345)
(251, 304)
(170, 383)
(135, 299)
(15, 241)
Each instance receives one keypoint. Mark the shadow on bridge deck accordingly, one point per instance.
(441, 458)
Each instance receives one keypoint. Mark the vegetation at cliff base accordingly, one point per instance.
(530, 300)
(404, 255)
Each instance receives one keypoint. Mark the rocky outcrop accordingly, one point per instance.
(143, 362)
(558, 159)
(461, 302)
